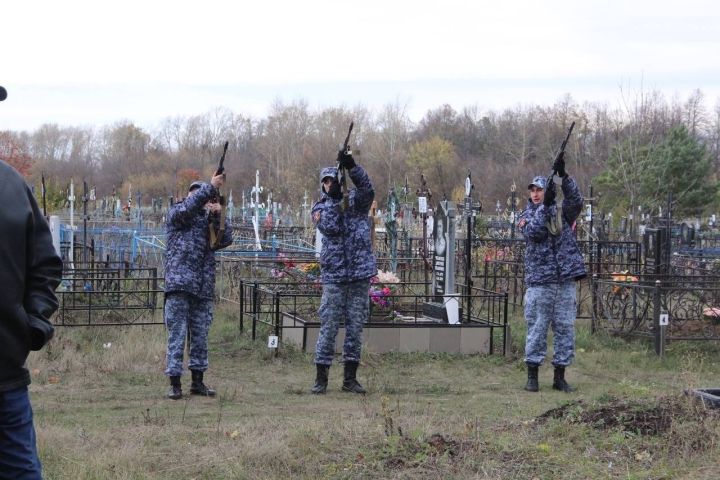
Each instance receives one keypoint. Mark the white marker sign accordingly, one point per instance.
(422, 204)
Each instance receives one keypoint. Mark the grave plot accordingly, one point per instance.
(110, 294)
(113, 276)
(397, 325)
(499, 267)
(283, 295)
(632, 305)
(675, 295)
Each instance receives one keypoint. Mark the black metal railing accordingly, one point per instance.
(108, 296)
(631, 306)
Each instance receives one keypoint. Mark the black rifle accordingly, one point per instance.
(216, 236)
(341, 171)
(220, 170)
(560, 153)
(221, 165)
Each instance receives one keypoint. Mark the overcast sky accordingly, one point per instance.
(78, 62)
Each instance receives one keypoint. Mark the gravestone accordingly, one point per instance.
(443, 281)
(657, 256)
(391, 228)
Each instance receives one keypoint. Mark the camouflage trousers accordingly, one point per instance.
(347, 303)
(187, 316)
(553, 305)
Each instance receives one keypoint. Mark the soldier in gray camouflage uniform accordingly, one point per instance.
(190, 282)
(553, 264)
(346, 264)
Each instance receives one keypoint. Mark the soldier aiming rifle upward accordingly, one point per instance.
(346, 265)
(190, 279)
(217, 232)
(553, 264)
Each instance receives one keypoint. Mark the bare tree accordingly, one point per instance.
(386, 145)
(694, 114)
(285, 135)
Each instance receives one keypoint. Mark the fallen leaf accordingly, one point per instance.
(642, 456)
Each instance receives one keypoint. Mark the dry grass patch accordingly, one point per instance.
(101, 413)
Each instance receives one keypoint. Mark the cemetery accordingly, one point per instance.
(450, 273)
(359, 241)
(446, 337)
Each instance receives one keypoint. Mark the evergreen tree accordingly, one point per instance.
(680, 165)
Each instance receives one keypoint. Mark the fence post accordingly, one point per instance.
(485, 274)
(242, 303)
(277, 320)
(154, 294)
(89, 301)
(593, 305)
(506, 325)
(659, 340)
(255, 309)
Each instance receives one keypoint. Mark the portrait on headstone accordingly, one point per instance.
(440, 237)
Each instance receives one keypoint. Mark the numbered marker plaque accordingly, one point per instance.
(663, 319)
(272, 341)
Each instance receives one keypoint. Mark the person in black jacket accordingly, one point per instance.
(30, 270)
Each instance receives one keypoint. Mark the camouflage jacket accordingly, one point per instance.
(346, 254)
(189, 260)
(548, 258)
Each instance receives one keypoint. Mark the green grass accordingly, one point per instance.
(101, 413)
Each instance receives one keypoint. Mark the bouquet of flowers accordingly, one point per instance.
(623, 277)
(382, 286)
(284, 265)
(310, 269)
(305, 272)
(712, 314)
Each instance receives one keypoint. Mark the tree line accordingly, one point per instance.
(634, 152)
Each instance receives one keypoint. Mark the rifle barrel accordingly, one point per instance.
(221, 165)
(347, 139)
(562, 149)
(341, 171)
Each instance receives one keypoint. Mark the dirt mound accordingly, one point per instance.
(644, 418)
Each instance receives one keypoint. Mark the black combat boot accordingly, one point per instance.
(350, 383)
(559, 382)
(175, 392)
(532, 381)
(321, 379)
(197, 387)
